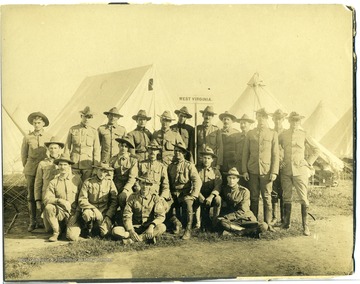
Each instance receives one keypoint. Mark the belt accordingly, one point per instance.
(140, 151)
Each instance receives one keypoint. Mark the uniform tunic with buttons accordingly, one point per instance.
(143, 210)
(33, 151)
(211, 181)
(100, 194)
(166, 139)
(230, 139)
(239, 150)
(208, 135)
(141, 137)
(84, 146)
(107, 135)
(125, 173)
(187, 133)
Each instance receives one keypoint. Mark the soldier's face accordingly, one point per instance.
(232, 180)
(295, 124)
(207, 117)
(123, 148)
(227, 122)
(145, 188)
(102, 174)
(112, 118)
(165, 123)
(181, 118)
(278, 121)
(54, 150)
(179, 154)
(261, 119)
(63, 167)
(244, 125)
(85, 119)
(207, 160)
(38, 124)
(141, 121)
(153, 154)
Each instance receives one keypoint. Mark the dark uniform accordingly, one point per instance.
(166, 140)
(107, 135)
(209, 135)
(230, 139)
(187, 133)
(141, 137)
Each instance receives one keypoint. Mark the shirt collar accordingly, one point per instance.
(140, 128)
(83, 125)
(39, 133)
(110, 126)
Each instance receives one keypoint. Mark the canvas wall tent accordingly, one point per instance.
(129, 90)
(339, 139)
(320, 121)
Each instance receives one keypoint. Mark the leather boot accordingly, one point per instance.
(287, 216)
(304, 213)
(254, 207)
(267, 218)
(39, 220)
(177, 225)
(216, 213)
(88, 230)
(32, 214)
(274, 213)
(282, 210)
(187, 234)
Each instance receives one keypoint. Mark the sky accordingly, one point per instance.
(302, 52)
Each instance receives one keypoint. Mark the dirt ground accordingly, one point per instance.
(327, 252)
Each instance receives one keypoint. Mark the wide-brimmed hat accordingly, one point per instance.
(227, 114)
(146, 179)
(295, 116)
(54, 140)
(166, 115)
(262, 111)
(103, 166)
(38, 114)
(64, 158)
(141, 114)
(181, 145)
(246, 118)
(279, 114)
(126, 139)
(154, 145)
(114, 111)
(87, 111)
(233, 172)
(208, 151)
(208, 109)
(184, 111)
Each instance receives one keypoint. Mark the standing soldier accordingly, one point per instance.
(61, 199)
(83, 145)
(157, 172)
(278, 118)
(245, 122)
(261, 164)
(166, 138)
(45, 172)
(185, 185)
(108, 133)
(208, 135)
(186, 131)
(33, 151)
(141, 136)
(295, 168)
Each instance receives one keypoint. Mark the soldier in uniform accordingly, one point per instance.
(45, 172)
(61, 199)
(166, 138)
(157, 172)
(278, 118)
(236, 217)
(125, 170)
(141, 136)
(245, 121)
(98, 202)
(295, 168)
(185, 185)
(186, 131)
(108, 133)
(209, 196)
(83, 145)
(261, 164)
(207, 134)
(33, 151)
(144, 216)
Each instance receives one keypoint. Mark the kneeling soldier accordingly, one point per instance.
(236, 216)
(61, 197)
(143, 216)
(98, 201)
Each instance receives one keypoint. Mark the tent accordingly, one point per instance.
(129, 90)
(320, 121)
(339, 139)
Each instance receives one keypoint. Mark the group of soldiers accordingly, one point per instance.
(134, 186)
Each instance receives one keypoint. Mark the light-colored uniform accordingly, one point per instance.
(107, 135)
(166, 140)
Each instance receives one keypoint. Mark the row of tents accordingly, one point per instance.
(132, 89)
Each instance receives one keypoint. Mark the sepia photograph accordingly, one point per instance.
(178, 142)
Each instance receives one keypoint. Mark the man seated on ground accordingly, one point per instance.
(61, 198)
(209, 196)
(143, 216)
(236, 217)
(98, 202)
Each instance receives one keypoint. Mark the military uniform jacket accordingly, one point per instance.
(211, 181)
(141, 138)
(184, 179)
(67, 188)
(84, 146)
(166, 139)
(100, 194)
(46, 171)
(157, 171)
(33, 151)
(239, 150)
(293, 142)
(125, 173)
(261, 152)
(210, 136)
(143, 210)
(238, 203)
(187, 133)
(107, 135)
(230, 139)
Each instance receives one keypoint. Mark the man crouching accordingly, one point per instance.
(143, 216)
(236, 217)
